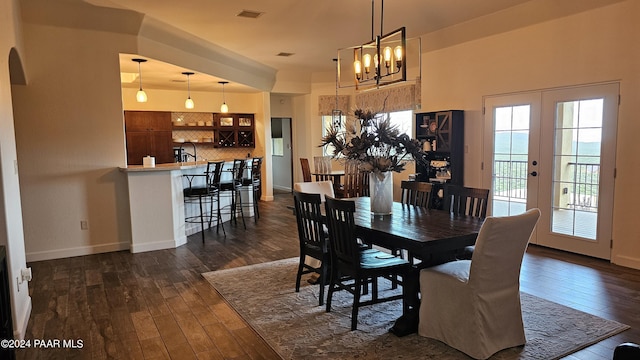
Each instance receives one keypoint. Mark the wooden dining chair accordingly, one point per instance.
(416, 193)
(351, 265)
(352, 183)
(313, 240)
(322, 167)
(306, 170)
(466, 201)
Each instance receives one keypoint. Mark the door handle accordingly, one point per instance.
(533, 173)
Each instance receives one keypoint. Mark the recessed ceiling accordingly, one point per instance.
(312, 31)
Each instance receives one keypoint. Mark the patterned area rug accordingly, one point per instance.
(297, 328)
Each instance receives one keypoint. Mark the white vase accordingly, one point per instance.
(381, 192)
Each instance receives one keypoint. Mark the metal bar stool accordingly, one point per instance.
(233, 189)
(254, 181)
(205, 192)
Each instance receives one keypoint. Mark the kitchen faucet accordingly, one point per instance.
(194, 155)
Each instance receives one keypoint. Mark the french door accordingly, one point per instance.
(555, 150)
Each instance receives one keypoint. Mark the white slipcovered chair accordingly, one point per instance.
(315, 187)
(474, 305)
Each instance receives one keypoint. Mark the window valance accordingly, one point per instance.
(396, 98)
(327, 103)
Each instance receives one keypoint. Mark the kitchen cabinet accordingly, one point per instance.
(148, 133)
(234, 130)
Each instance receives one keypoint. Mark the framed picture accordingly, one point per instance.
(226, 121)
(243, 121)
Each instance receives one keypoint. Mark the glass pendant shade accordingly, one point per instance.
(141, 96)
(224, 108)
(188, 103)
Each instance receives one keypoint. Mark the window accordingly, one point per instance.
(402, 119)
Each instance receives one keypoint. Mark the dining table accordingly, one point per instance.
(429, 235)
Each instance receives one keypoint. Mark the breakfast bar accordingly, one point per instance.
(157, 208)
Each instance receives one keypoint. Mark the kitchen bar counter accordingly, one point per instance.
(157, 208)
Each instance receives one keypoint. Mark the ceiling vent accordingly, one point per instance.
(284, 54)
(250, 14)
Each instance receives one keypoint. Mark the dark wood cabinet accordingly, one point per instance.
(234, 130)
(148, 133)
(444, 130)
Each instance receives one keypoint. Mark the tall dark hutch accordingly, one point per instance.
(442, 136)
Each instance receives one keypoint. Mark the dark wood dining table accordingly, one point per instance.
(427, 234)
(422, 232)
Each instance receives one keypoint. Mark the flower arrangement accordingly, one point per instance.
(374, 141)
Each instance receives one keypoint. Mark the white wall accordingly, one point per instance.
(11, 222)
(590, 47)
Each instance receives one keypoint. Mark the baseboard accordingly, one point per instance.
(23, 321)
(158, 245)
(283, 188)
(76, 251)
(626, 261)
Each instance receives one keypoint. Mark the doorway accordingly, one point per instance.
(555, 150)
(282, 155)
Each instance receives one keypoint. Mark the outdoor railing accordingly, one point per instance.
(510, 181)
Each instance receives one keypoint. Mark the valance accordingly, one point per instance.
(327, 103)
(396, 98)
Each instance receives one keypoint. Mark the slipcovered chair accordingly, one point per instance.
(474, 305)
(316, 187)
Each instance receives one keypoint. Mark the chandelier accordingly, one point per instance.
(382, 60)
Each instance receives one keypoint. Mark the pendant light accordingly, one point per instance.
(223, 108)
(141, 96)
(188, 103)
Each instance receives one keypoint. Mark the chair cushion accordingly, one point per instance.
(371, 258)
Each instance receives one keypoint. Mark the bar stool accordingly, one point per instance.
(254, 182)
(233, 189)
(203, 194)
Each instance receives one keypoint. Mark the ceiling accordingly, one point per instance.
(311, 31)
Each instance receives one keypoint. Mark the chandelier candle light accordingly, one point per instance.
(141, 96)
(382, 60)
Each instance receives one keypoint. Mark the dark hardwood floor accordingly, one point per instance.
(156, 305)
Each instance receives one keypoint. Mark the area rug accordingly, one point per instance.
(297, 328)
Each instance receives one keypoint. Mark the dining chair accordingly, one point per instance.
(324, 188)
(352, 183)
(351, 266)
(474, 305)
(467, 201)
(306, 170)
(313, 239)
(416, 193)
(322, 166)
(204, 194)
